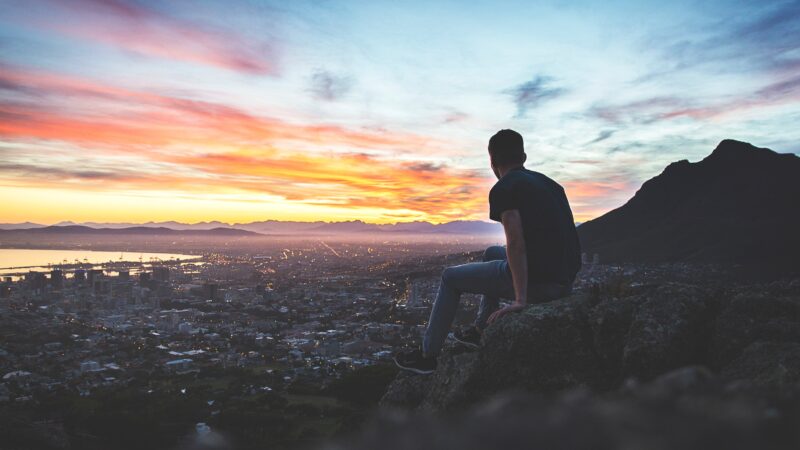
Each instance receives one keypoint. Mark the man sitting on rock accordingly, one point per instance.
(538, 264)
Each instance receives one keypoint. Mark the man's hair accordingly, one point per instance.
(506, 147)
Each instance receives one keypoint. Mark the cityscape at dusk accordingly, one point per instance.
(142, 111)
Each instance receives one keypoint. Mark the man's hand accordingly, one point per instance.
(514, 307)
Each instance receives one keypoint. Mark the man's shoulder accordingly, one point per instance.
(542, 180)
(525, 177)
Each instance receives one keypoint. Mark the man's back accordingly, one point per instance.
(551, 241)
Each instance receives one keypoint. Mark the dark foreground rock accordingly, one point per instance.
(597, 341)
(686, 409)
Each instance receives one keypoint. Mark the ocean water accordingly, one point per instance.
(14, 260)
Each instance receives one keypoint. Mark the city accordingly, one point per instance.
(280, 323)
(308, 331)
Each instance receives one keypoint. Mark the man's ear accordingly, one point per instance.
(524, 158)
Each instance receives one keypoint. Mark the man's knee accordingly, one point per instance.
(448, 274)
(494, 253)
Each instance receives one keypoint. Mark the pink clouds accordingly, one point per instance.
(783, 91)
(121, 116)
(147, 31)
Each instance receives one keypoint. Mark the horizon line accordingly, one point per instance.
(68, 222)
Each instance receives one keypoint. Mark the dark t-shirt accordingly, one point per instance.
(551, 240)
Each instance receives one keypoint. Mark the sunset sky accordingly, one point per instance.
(135, 111)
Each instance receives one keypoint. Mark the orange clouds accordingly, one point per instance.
(156, 142)
(590, 199)
(134, 142)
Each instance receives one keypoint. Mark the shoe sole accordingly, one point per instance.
(412, 369)
(468, 344)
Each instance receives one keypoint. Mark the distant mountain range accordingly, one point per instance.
(138, 230)
(739, 204)
(462, 227)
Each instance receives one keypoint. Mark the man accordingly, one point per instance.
(538, 264)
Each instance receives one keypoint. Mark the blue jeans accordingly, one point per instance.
(492, 278)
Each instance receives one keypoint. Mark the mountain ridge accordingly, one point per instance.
(280, 227)
(735, 205)
(82, 229)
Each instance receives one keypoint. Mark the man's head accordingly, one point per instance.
(506, 151)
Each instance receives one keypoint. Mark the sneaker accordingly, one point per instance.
(415, 361)
(469, 336)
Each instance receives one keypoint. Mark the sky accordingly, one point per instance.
(238, 111)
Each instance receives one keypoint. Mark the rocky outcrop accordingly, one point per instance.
(688, 409)
(769, 313)
(666, 332)
(600, 341)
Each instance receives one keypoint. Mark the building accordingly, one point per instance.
(79, 276)
(36, 280)
(210, 291)
(144, 278)
(161, 273)
(56, 278)
(179, 365)
(89, 366)
(93, 275)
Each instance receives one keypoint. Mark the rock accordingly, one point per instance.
(609, 321)
(774, 364)
(667, 331)
(759, 314)
(691, 412)
(545, 348)
(407, 391)
(690, 379)
(597, 343)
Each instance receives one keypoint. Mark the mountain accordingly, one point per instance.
(465, 227)
(353, 226)
(278, 227)
(138, 230)
(20, 226)
(170, 224)
(288, 227)
(470, 227)
(739, 204)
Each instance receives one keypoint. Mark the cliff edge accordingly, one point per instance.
(603, 340)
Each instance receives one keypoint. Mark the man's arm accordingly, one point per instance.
(517, 262)
(517, 257)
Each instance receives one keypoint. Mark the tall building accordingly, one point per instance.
(36, 280)
(161, 273)
(79, 276)
(56, 278)
(94, 274)
(210, 291)
(144, 278)
(412, 293)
